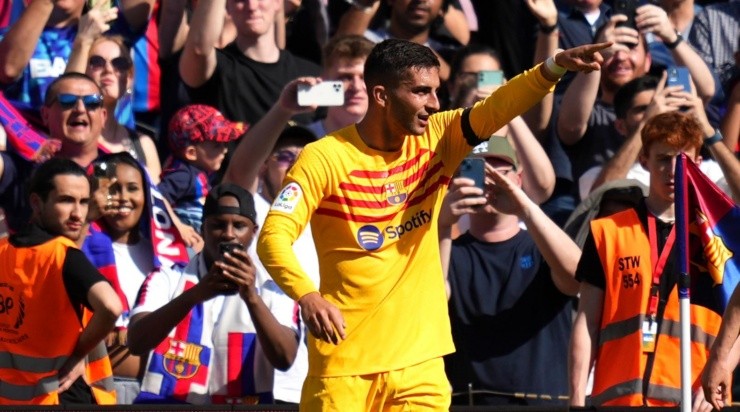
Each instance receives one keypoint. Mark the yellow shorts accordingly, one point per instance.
(419, 387)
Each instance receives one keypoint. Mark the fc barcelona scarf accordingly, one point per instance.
(178, 368)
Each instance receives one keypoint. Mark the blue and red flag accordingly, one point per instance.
(709, 222)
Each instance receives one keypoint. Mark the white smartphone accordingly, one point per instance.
(330, 93)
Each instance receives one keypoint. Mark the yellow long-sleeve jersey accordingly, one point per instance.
(373, 216)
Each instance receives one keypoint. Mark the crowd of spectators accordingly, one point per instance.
(175, 105)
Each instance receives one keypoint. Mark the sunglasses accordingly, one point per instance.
(68, 101)
(119, 64)
(284, 156)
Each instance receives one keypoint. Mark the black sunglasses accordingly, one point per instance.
(120, 63)
(68, 101)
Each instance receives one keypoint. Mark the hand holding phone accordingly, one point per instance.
(488, 78)
(103, 5)
(679, 76)
(627, 8)
(230, 247)
(330, 93)
(474, 168)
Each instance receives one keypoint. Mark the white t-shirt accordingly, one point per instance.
(288, 383)
(133, 264)
(224, 314)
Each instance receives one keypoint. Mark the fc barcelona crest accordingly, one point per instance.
(182, 359)
(395, 192)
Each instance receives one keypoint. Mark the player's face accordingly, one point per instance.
(409, 105)
(64, 211)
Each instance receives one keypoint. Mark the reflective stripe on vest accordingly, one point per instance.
(634, 387)
(698, 335)
(98, 368)
(618, 330)
(25, 393)
(31, 364)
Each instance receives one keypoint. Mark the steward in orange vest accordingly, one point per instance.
(637, 361)
(39, 324)
(48, 355)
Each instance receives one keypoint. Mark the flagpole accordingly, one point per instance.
(680, 200)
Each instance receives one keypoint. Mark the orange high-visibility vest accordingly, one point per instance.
(624, 251)
(39, 326)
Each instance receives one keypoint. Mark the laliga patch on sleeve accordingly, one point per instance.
(288, 198)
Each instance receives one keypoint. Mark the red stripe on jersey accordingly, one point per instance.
(352, 187)
(373, 174)
(375, 190)
(442, 180)
(368, 204)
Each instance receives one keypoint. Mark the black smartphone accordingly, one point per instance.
(230, 247)
(474, 168)
(627, 7)
(102, 170)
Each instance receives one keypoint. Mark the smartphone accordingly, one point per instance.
(230, 247)
(105, 4)
(329, 93)
(490, 78)
(474, 168)
(626, 7)
(679, 76)
(102, 170)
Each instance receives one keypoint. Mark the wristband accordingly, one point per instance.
(554, 68)
(716, 138)
(672, 45)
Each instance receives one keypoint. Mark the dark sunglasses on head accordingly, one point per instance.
(68, 101)
(284, 156)
(120, 63)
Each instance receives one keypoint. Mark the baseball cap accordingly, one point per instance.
(197, 123)
(243, 196)
(295, 135)
(499, 148)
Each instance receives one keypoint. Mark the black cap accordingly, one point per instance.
(295, 135)
(243, 196)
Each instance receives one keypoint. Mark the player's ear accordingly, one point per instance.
(379, 95)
